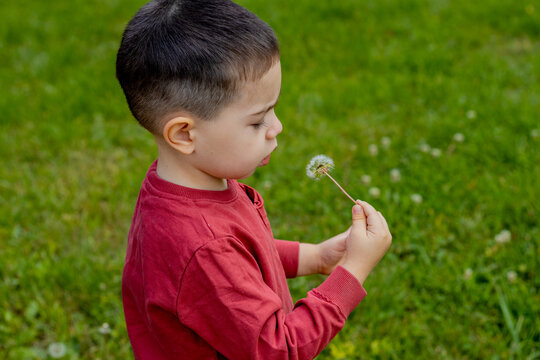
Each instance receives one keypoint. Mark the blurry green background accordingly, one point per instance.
(430, 110)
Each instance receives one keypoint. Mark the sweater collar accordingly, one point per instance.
(164, 186)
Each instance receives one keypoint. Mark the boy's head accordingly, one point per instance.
(191, 56)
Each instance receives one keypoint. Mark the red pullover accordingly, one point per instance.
(204, 278)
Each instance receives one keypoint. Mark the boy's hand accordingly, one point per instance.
(369, 239)
(332, 252)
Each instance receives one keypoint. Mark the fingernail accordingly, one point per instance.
(356, 209)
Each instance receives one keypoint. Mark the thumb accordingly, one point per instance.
(358, 217)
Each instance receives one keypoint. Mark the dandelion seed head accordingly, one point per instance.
(535, 133)
(318, 165)
(416, 198)
(468, 274)
(56, 350)
(373, 149)
(385, 142)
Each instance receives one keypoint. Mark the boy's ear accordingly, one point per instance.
(177, 133)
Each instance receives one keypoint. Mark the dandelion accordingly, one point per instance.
(395, 175)
(535, 133)
(104, 329)
(503, 237)
(373, 149)
(321, 165)
(425, 148)
(318, 166)
(471, 114)
(459, 137)
(436, 152)
(385, 142)
(468, 274)
(416, 198)
(374, 192)
(511, 276)
(56, 350)
(366, 179)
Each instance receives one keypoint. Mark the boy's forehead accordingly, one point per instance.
(261, 91)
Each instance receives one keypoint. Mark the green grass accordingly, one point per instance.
(417, 72)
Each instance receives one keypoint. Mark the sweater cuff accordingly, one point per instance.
(288, 253)
(342, 289)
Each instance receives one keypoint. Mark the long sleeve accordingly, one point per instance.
(289, 252)
(224, 299)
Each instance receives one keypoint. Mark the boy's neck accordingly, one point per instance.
(171, 169)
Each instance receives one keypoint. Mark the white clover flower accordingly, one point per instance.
(471, 114)
(318, 166)
(104, 329)
(416, 198)
(373, 149)
(503, 237)
(535, 133)
(425, 148)
(385, 142)
(468, 274)
(374, 192)
(56, 350)
(511, 276)
(267, 185)
(436, 152)
(459, 137)
(366, 179)
(395, 175)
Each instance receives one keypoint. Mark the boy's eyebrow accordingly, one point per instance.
(267, 108)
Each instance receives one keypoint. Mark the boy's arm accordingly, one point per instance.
(289, 254)
(308, 259)
(224, 299)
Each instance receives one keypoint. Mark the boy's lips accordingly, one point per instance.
(266, 160)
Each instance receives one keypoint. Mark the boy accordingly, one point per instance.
(204, 277)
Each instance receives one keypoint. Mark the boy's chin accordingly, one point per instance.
(245, 176)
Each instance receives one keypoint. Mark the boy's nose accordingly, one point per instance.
(274, 129)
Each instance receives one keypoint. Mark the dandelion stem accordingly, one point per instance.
(339, 186)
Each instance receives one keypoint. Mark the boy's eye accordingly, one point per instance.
(259, 124)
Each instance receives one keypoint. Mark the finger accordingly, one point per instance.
(358, 217)
(373, 219)
(384, 221)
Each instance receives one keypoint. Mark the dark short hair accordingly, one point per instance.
(191, 56)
